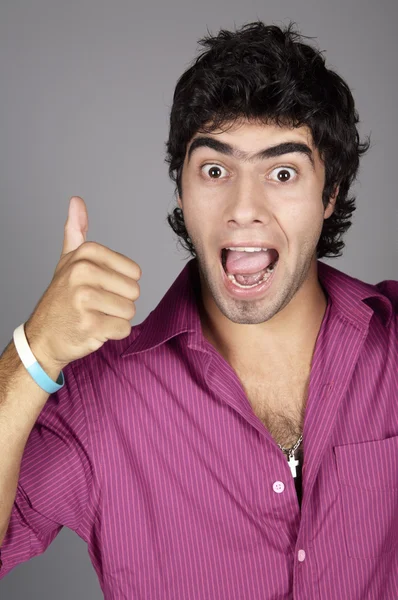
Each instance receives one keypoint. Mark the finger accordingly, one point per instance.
(115, 261)
(106, 303)
(87, 273)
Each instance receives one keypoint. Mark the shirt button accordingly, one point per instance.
(301, 555)
(278, 487)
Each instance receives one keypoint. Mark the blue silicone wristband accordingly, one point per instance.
(32, 365)
(43, 380)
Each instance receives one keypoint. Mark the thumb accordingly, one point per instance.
(76, 225)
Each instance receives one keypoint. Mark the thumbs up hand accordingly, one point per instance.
(90, 300)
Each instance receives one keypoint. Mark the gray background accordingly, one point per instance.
(86, 89)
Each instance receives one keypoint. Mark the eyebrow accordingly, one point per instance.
(270, 152)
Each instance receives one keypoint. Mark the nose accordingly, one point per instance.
(248, 204)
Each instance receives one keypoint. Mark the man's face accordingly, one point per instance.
(273, 202)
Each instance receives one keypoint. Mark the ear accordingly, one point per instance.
(329, 210)
(179, 201)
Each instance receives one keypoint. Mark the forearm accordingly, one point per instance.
(21, 401)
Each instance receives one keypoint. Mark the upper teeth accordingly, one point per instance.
(246, 249)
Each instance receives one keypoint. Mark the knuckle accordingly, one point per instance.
(90, 323)
(84, 295)
(87, 251)
(82, 268)
(87, 246)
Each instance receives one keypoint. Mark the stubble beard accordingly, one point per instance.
(253, 312)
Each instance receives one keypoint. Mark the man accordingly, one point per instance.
(241, 442)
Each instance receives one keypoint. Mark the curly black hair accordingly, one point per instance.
(266, 74)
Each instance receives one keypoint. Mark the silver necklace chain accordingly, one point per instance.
(293, 448)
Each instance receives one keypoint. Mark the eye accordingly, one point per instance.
(212, 170)
(283, 174)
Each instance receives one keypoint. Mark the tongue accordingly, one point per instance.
(245, 263)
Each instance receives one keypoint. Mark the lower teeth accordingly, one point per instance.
(264, 278)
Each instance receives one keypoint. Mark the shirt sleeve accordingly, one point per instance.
(55, 477)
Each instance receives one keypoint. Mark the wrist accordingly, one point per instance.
(51, 366)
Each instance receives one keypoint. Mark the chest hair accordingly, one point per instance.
(279, 402)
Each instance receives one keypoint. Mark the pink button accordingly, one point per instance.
(301, 555)
(278, 487)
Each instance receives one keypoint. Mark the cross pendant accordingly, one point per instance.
(293, 463)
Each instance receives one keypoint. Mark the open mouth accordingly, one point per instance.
(251, 276)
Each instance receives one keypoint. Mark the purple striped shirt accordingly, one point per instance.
(152, 454)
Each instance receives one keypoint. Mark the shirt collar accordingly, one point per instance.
(177, 312)
(356, 300)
